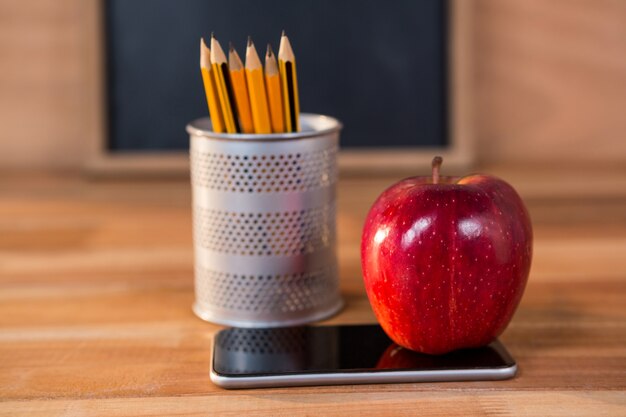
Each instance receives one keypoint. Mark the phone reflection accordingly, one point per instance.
(398, 357)
(277, 350)
(357, 348)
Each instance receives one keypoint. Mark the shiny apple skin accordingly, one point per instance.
(445, 265)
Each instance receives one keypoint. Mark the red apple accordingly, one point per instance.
(446, 259)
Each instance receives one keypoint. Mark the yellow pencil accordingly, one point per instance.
(238, 79)
(289, 84)
(225, 93)
(272, 80)
(209, 88)
(256, 88)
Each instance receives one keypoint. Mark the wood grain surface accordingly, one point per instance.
(95, 317)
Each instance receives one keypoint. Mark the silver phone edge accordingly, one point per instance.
(379, 377)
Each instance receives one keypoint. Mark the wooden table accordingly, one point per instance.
(95, 318)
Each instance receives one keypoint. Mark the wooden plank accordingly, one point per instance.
(283, 403)
(146, 341)
(95, 318)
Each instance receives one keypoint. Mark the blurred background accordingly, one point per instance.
(548, 80)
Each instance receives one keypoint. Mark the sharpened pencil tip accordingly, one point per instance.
(249, 40)
(283, 34)
(212, 35)
(269, 52)
(231, 47)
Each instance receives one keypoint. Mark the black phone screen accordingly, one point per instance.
(335, 349)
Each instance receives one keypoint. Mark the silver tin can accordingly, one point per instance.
(264, 224)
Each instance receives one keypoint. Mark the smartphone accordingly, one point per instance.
(332, 355)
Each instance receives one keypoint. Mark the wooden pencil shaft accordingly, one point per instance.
(293, 112)
(210, 89)
(257, 91)
(274, 94)
(242, 100)
(289, 85)
(223, 86)
(220, 82)
(240, 90)
(289, 88)
(213, 101)
(275, 101)
(258, 101)
(231, 96)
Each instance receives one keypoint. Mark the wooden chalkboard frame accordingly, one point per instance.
(458, 154)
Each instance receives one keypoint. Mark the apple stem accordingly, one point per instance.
(437, 161)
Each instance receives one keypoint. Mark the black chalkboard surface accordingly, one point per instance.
(379, 67)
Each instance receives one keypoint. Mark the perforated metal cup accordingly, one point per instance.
(264, 224)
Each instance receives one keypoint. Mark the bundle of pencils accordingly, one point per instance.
(247, 99)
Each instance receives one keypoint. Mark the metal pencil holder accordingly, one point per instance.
(264, 224)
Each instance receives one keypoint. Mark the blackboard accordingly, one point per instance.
(379, 67)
